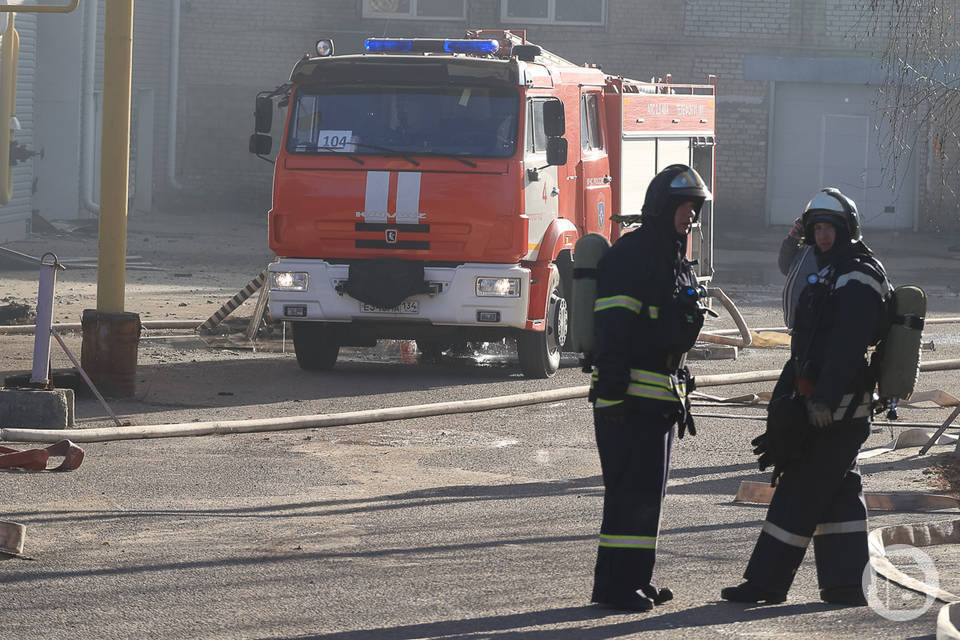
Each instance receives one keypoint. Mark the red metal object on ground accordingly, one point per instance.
(36, 459)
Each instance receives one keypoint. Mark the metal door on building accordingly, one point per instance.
(830, 135)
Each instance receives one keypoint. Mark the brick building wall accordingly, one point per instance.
(233, 48)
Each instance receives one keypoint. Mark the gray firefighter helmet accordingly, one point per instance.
(678, 182)
(830, 205)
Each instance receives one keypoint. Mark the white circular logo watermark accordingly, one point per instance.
(889, 599)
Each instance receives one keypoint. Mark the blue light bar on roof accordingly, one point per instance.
(388, 45)
(471, 46)
(430, 45)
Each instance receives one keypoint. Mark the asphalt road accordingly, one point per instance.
(479, 525)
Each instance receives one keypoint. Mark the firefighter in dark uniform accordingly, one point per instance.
(647, 316)
(819, 416)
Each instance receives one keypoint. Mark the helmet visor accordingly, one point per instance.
(826, 202)
(689, 179)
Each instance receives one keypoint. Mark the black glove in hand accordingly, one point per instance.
(765, 458)
(685, 422)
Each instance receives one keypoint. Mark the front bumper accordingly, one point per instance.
(453, 300)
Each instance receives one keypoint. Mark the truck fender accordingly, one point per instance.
(561, 235)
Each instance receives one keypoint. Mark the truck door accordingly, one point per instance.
(593, 170)
(540, 192)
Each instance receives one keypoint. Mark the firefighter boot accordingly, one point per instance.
(848, 594)
(632, 602)
(659, 596)
(749, 592)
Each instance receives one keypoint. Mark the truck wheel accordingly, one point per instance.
(316, 345)
(539, 351)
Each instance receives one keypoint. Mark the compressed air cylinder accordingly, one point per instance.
(586, 255)
(900, 359)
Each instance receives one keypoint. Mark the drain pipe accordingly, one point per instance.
(89, 114)
(174, 98)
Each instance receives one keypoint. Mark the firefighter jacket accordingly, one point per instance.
(841, 312)
(646, 317)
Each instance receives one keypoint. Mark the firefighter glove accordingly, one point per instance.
(686, 424)
(685, 420)
(818, 414)
(765, 458)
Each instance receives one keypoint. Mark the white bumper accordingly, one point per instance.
(454, 303)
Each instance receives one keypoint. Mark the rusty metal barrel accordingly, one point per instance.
(109, 351)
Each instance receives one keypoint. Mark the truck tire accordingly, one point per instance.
(539, 351)
(316, 346)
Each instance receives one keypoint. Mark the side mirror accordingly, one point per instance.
(261, 144)
(556, 151)
(554, 121)
(263, 114)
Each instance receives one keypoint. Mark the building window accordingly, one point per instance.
(554, 11)
(416, 9)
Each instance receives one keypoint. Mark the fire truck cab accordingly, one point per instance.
(434, 189)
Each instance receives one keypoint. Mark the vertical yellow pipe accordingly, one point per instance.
(115, 154)
(9, 52)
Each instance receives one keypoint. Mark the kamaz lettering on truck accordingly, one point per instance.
(434, 189)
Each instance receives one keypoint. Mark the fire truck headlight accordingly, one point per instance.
(288, 281)
(499, 287)
(324, 47)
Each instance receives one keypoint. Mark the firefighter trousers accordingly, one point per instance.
(819, 497)
(635, 459)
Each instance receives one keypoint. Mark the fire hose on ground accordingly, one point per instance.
(219, 427)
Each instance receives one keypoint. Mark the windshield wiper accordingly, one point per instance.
(402, 154)
(469, 163)
(314, 147)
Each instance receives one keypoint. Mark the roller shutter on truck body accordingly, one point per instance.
(15, 215)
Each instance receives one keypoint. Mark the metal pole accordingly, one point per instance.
(115, 162)
(40, 374)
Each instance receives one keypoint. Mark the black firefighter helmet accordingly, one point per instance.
(830, 205)
(674, 185)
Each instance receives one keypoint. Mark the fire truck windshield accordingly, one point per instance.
(450, 121)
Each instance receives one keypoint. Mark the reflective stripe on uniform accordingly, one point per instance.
(850, 526)
(649, 391)
(862, 410)
(785, 536)
(628, 542)
(615, 302)
(882, 289)
(650, 377)
(602, 403)
(653, 312)
(658, 386)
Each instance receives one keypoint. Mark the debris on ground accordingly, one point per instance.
(14, 312)
(946, 471)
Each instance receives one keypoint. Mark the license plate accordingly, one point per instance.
(407, 306)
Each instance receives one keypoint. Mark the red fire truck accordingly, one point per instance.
(434, 189)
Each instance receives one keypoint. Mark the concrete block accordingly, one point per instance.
(37, 408)
(713, 352)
